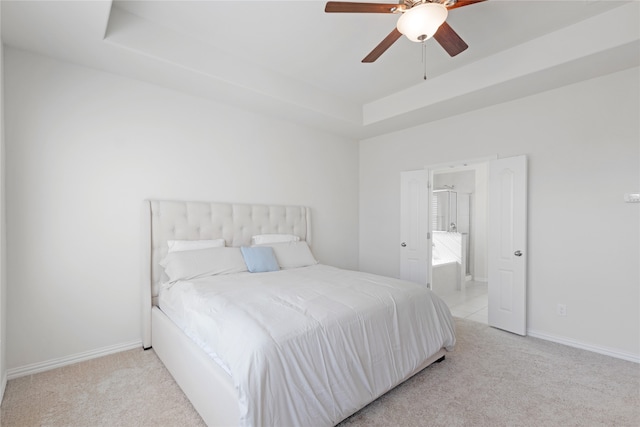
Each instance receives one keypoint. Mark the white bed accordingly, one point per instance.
(358, 356)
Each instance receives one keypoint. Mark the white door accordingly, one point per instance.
(415, 248)
(507, 244)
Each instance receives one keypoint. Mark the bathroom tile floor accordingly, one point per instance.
(469, 304)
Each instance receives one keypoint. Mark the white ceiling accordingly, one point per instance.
(292, 60)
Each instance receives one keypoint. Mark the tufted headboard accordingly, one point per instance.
(236, 223)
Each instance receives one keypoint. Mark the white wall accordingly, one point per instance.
(582, 142)
(84, 148)
(3, 272)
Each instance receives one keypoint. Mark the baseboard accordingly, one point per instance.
(47, 365)
(577, 344)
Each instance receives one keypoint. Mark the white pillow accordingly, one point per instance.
(293, 254)
(190, 245)
(262, 239)
(186, 265)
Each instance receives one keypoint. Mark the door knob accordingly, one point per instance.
(517, 253)
(403, 244)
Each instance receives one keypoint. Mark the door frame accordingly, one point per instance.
(426, 176)
(458, 165)
(453, 166)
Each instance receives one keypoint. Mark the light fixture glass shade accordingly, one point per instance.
(421, 22)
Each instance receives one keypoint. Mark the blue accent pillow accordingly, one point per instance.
(260, 259)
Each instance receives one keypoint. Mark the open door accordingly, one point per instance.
(508, 244)
(415, 242)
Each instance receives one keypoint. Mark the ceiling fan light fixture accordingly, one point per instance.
(422, 21)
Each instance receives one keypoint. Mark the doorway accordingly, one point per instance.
(505, 245)
(458, 218)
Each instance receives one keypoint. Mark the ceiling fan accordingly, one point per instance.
(419, 20)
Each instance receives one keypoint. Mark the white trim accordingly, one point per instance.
(47, 365)
(589, 347)
(460, 165)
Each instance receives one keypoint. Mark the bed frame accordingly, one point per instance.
(209, 388)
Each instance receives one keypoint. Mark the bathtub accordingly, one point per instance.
(446, 276)
(447, 263)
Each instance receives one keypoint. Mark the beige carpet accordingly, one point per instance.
(493, 378)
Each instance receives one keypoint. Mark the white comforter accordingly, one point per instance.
(310, 346)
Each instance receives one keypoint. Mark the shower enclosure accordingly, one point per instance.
(445, 210)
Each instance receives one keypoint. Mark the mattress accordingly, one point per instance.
(310, 346)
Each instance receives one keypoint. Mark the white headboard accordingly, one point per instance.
(236, 223)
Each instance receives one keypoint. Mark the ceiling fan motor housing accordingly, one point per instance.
(408, 4)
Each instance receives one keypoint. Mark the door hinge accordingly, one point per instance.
(428, 236)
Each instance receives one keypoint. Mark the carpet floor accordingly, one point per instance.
(493, 378)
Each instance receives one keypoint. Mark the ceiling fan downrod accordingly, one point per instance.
(424, 58)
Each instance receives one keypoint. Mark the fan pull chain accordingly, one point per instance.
(424, 58)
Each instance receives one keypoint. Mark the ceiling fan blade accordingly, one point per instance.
(383, 46)
(352, 7)
(461, 3)
(450, 40)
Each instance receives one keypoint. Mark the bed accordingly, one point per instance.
(300, 343)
